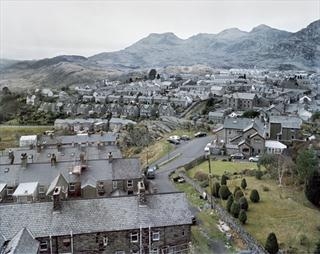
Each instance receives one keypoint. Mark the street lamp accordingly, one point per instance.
(210, 180)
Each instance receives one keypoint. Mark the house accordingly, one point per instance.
(159, 223)
(216, 116)
(28, 140)
(242, 134)
(274, 147)
(284, 128)
(26, 192)
(241, 101)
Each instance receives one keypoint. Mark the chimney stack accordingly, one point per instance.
(110, 157)
(57, 199)
(142, 194)
(82, 158)
(53, 160)
(24, 160)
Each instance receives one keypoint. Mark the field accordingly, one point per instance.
(282, 210)
(10, 135)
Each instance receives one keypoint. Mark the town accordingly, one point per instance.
(79, 170)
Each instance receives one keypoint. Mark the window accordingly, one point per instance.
(155, 236)
(129, 183)
(154, 251)
(114, 184)
(44, 246)
(41, 189)
(72, 187)
(66, 242)
(9, 191)
(105, 241)
(134, 237)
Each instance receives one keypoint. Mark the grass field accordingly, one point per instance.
(220, 167)
(282, 210)
(10, 135)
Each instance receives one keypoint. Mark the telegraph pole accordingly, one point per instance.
(210, 181)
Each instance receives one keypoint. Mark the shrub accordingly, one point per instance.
(224, 192)
(317, 249)
(303, 240)
(243, 203)
(224, 179)
(312, 188)
(237, 188)
(259, 174)
(243, 216)
(229, 203)
(272, 244)
(238, 195)
(215, 189)
(254, 196)
(201, 176)
(235, 209)
(244, 184)
(204, 183)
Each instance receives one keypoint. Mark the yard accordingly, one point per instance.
(282, 210)
(10, 135)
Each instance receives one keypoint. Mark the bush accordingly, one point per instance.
(243, 203)
(224, 179)
(229, 203)
(238, 195)
(312, 188)
(204, 183)
(201, 176)
(235, 209)
(224, 192)
(259, 174)
(272, 244)
(304, 241)
(215, 189)
(254, 196)
(237, 188)
(317, 249)
(244, 184)
(243, 216)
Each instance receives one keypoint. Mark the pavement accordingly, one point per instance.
(188, 150)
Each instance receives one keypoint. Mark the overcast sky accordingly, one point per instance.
(42, 28)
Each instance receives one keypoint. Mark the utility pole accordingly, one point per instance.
(210, 181)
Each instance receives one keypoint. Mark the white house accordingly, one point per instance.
(274, 147)
(28, 140)
(26, 192)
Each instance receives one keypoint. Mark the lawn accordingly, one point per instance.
(282, 210)
(10, 135)
(220, 167)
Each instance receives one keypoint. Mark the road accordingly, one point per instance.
(189, 151)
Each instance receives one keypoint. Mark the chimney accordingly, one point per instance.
(110, 157)
(53, 160)
(142, 194)
(82, 158)
(57, 199)
(24, 160)
(11, 156)
(38, 148)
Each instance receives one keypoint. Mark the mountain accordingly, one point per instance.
(263, 47)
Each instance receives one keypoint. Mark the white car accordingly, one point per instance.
(255, 158)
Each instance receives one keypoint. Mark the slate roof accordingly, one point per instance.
(44, 173)
(289, 122)
(95, 215)
(243, 96)
(22, 243)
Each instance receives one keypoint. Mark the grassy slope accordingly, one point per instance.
(284, 211)
(10, 135)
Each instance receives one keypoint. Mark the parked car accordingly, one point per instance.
(185, 137)
(200, 134)
(151, 172)
(238, 156)
(255, 158)
(173, 141)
